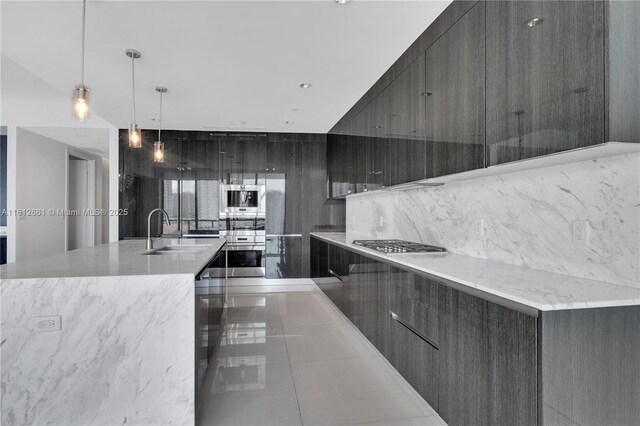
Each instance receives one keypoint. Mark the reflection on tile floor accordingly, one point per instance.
(293, 359)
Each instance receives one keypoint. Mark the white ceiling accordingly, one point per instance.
(227, 64)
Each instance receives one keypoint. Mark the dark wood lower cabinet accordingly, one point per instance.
(513, 366)
(283, 257)
(590, 366)
(367, 301)
(479, 363)
(416, 360)
(463, 352)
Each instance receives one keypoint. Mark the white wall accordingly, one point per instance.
(27, 101)
(39, 183)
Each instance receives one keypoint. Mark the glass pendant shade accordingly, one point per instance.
(158, 152)
(135, 138)
(81, 103)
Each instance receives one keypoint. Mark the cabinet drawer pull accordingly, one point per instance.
(411, 329)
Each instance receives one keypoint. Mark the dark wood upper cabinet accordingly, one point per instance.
(343, 165)
(242, 158)
(622, 82)
(455, 98)
(545, 82)
(406, 136)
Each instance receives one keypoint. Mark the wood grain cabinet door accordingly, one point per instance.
(487, 362)
(406, 126)
(455, 97)
(545, 77)
(413, 331)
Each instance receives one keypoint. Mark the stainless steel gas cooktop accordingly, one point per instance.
(398, 246)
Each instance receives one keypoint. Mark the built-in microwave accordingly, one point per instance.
(242, 201)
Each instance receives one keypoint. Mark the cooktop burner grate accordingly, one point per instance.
(398, 246)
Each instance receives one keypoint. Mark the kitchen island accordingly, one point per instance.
(491, 343)
(103, 335)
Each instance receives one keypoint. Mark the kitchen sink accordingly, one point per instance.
(178, 249)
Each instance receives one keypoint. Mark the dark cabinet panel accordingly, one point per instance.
(340, 171)
(284, 186)
(415, 360)
(454, 93)
(199, 173)
(488, 362)
(210, 293)
(463, 354)
(141, 182)
(590, 366)
(242, 158)
(326, 278)
(622, 71)
(367, 296)
(336, 276)
(414, 331)
(283, 257)
(318, 214)
(406, 134)
(375, 128)
(319, 260)
(513, 367)
(544, 82)
(415, 300)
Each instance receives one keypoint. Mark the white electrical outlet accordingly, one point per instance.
(49, 323)
(580, 232)
(380, 221)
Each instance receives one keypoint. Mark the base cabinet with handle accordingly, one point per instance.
(477, 362)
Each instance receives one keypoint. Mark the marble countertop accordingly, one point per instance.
(501, 282)
(121, 258)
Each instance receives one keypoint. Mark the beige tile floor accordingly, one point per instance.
(292, 358)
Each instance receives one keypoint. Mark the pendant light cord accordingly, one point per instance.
(84, 35)
(133, 83)
(160, 118)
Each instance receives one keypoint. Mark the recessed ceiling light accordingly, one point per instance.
(341, 1)
(289, 122)
(305, 85)
(533, 22)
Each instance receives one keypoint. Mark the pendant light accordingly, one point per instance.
(81, 92)
(158, 146)
(135, 138)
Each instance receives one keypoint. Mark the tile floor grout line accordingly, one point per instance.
(293, 380)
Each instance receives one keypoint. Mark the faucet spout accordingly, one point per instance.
(166, 218)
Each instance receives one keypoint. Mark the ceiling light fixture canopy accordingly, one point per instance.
(80, 101)
(305, 85)
(158, 146)
(135, 137)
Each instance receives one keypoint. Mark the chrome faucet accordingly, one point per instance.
(166, 217)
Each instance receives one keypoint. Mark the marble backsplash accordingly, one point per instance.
(521, 218)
